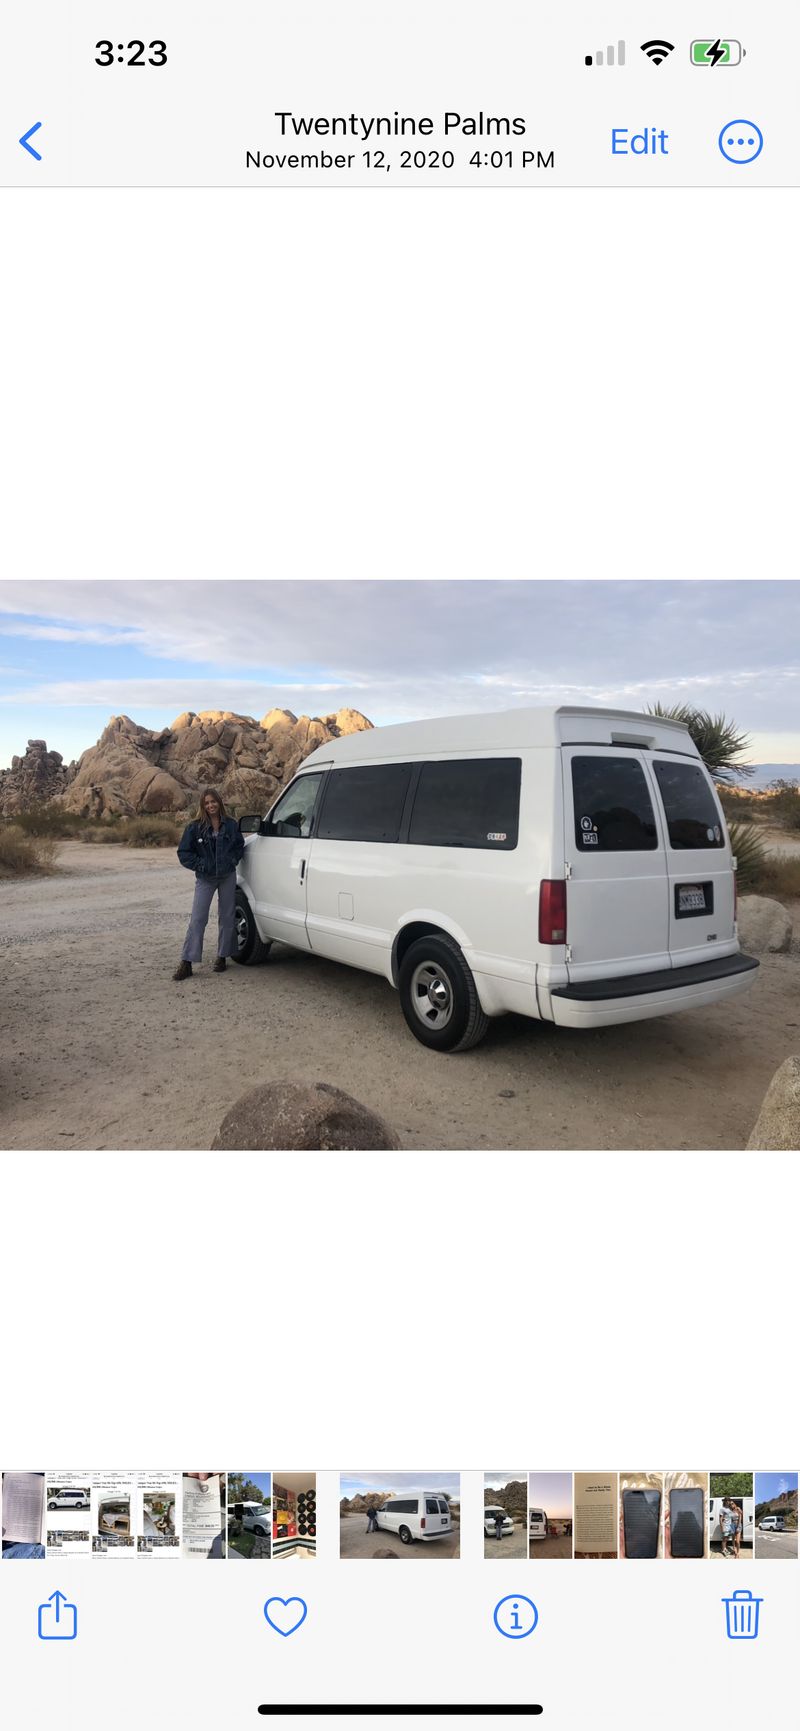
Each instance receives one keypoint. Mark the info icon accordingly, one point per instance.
(515, 1616)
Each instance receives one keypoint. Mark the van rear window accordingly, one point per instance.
(692, 817)
(365, 803)
(613, 809)
(468, 802)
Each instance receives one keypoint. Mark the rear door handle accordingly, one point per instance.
(302, 870)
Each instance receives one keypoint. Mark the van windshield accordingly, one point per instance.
(692, 817)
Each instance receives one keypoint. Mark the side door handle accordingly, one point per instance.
(302, 871)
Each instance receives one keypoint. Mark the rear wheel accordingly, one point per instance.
(404, 1534)
(250, 948)
(439, 997)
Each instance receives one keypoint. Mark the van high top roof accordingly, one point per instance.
(506, 730)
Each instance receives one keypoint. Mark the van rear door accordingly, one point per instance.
(699, 863)
(615, 852)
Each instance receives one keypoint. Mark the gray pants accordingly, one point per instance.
(204, 891)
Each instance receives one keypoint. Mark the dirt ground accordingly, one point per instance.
(99, 1048)
(355, 1541)
(511, 1546)
(558, 1546)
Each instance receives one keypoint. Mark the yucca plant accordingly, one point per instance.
(718, 740)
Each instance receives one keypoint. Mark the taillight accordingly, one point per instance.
(735, 895)
(422, 1523)
(553, 911)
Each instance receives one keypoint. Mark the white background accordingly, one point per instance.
(580, 383)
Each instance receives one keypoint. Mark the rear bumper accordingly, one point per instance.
(635, 997)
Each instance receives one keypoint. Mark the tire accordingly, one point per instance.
(404, 1536)
(438, 995)
(251, 948)
(52, 1505)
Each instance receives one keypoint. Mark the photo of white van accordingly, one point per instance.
(571, 865)
(399, 1515)
(772, 1524)
(491, 1513)
(423, 1515)
(538, 1524)
(78, 1498)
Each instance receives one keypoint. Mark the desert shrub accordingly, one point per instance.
(784, 804)
(48, 820)
(152, 831)
(752, 858)
(134, 832)
(21, 853)
(780, 878)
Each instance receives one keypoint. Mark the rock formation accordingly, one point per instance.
(133, 770)
(34, 779)
(512, 1497)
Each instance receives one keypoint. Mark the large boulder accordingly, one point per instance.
(302, 1115)
(778, 1122)
(765, 927)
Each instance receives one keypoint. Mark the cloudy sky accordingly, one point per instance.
(360, 1484)
(74, 653)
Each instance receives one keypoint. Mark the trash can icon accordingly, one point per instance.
(741, 1613)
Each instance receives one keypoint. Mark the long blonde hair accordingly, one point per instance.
(202, 815)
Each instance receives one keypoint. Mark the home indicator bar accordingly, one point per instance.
(396, 1710)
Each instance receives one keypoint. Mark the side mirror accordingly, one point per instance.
(250, 825)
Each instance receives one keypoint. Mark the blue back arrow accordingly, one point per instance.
(29, 147)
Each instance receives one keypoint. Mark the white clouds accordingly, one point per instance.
(402, 650)
(72, 634)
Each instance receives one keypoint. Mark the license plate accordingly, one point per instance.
(691, 898)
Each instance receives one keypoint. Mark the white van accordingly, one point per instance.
(255, 1518)
(490, 1514)
(416, 1515)
(568, 864)
(538, 1524)
(64, 1499)
(772, 1524)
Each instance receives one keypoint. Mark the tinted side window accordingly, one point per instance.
(295, 809)
(472, 802)
(365, 804)
(692, 816)
(613, 809)
(409, 1508)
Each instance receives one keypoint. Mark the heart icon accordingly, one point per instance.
(285, 1615)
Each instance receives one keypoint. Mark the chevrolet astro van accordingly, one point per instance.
(571, 864)
(423, 1515)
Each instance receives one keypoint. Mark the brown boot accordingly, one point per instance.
(220, 965)
(183, 971)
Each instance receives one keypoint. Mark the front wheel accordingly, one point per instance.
(439, 997)
(250, 948)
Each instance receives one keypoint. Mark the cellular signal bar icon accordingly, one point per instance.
(612, 57)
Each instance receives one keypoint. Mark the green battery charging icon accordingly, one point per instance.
(719, 51)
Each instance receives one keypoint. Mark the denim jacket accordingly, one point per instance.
(210, 855)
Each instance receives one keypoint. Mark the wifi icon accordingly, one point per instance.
(657, 50)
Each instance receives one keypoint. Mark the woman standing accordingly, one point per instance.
(211, 847)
